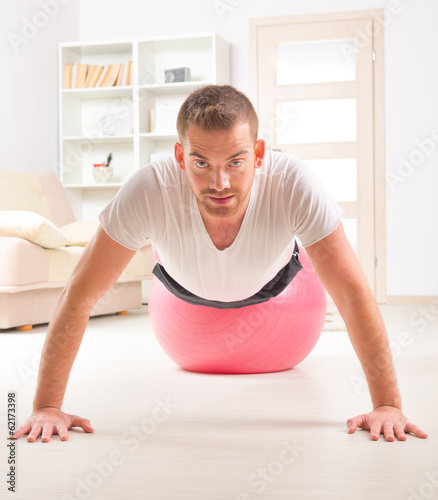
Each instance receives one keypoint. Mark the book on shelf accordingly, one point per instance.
(104, 75)
(73, 76)
(95, 75)
(111, 77)
(82, 75)
(67, 75)
(92, 70)
(120, 75)
(125, 75)
(128, 79)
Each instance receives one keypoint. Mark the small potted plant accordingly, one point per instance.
(102, 172)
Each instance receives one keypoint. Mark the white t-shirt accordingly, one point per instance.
(287, 199)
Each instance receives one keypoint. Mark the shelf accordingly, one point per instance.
(158, 136)
(97, 48)
(174, 88)
(100, 92)
(108, 185)
(97, 140)
(85, 112)
(178, 42)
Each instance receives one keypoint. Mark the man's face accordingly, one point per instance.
(220, 167)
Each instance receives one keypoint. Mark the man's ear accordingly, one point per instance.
(179, 155)
(259, 152)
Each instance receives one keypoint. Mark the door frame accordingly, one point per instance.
(376, 37)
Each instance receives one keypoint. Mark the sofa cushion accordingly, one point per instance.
(62, 262)
(80, 232)
(32, 227)
(22, 191)
(22, 262)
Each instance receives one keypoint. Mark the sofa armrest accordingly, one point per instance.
(22, 262)
(141, 264)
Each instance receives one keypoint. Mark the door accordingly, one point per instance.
(314, 94)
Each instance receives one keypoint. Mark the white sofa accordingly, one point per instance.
(33, 276)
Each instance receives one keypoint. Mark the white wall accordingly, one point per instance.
(411, 116)
(30, 32)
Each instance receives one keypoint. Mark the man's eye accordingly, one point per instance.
(197, 163)
(236, 161)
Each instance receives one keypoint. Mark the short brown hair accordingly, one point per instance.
(216, 107)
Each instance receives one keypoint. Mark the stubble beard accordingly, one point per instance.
(222, 211)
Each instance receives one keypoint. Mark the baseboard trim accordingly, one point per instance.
(412, 299)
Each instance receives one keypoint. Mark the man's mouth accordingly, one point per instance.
(221, 200)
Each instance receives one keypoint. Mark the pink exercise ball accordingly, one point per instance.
(268, 337)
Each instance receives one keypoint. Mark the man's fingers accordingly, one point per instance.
(62, 432)
(398, 430)
(36, 430)
(354, 423)
(82, 422)
(352, 426)
(390, 425)
(410, 427)
(49, 423)
(24, 429)
(388, 431)
(375, 431)
(86, 425)
(47, 432)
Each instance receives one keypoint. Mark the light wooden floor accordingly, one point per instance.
(223, 437)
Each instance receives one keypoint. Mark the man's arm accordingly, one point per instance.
(339, 271)
(101, 263)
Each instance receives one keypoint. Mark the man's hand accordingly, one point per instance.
(50, 421)
(386, 420)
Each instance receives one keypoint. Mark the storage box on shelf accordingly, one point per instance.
(98, 120)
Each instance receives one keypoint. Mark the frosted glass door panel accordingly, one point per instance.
(350, 228)
(322, 120)
(339, 176)
(315, 62)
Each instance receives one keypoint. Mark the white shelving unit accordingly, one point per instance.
(82, 141)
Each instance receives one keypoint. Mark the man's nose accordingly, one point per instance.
(219, 180)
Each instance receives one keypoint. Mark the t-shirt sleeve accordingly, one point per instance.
(127, 217)
(314, 213)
